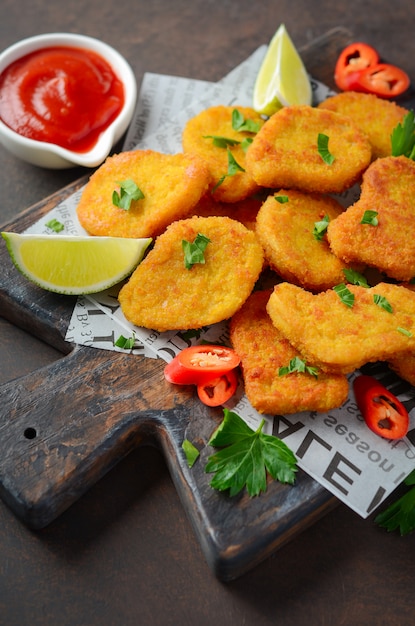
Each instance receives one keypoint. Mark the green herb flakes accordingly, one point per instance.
(126, 343)
(320, 228)
(281, 199)
(382, 302)
(403, 137)
(370, 217)
(55, 225)
(128, 192)
(400, 515)
(191, 452)
(240, 124)
(222, 142)
(194, 252)
(355, 278)
(404, 331)
(345, 295)
(298, 365)
(323, 149)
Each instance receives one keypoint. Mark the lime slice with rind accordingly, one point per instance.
(74, 265)
(282, 78)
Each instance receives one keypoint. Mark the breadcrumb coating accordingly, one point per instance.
(285, 151)
(172, 185)
(162, 294)
(263, 350)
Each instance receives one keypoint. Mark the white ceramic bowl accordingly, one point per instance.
(53, 156)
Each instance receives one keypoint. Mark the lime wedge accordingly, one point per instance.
(282, 78)
(74, 265)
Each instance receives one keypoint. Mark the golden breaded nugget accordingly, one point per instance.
(375, 116)
(339, 338)
(245, 211)
(284, 154)
(216, 121)
(404, 366)
(285, 231)
(163, 294)
(388, 188)
(263, 350)
(172, 185)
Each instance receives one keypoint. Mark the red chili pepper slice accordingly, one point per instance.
(353, 59)
(381, 410)
(199, 364)
(383, 80)
(219, 390)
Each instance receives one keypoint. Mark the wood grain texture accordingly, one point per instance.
(65, 426)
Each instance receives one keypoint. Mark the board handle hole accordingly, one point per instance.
(30, 433)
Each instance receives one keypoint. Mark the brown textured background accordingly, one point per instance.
(125, 553)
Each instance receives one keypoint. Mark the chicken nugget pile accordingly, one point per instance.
(251, 202)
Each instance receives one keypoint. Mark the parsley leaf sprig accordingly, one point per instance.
(246, 456)
(403, 137)
(400, 515)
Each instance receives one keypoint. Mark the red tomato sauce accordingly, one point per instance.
(61, 95)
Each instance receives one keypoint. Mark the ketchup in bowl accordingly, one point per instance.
(62, 95)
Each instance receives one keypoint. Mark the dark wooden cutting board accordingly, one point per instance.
(64, 426)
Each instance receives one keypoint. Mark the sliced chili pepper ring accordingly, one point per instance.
(219, 390)
(383, 413)
(353, 59)
(383, 80)
(198, 364)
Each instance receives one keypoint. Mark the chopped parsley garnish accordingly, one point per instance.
(194, 252)
(233, 168)
(382, 302)
(129, 191)
(126, 343)
(403, 137)
(246, 456)
(323, 149)
(345, 295)
(404, 331)
(400, 515)
(355, 278)
(281, 199)
(370, 217)
(222, 142)
(320, 228)
(241, 124)
(55, 225)
(191, 452)
(298, 365)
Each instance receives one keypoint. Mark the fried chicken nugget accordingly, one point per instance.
(284, 153)
(263, 350)
(374, 116)
(197, 138)
(163, 294)
(244, 211)
(285, 231)
(388, 189)
(172, 185)
(339, 338)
